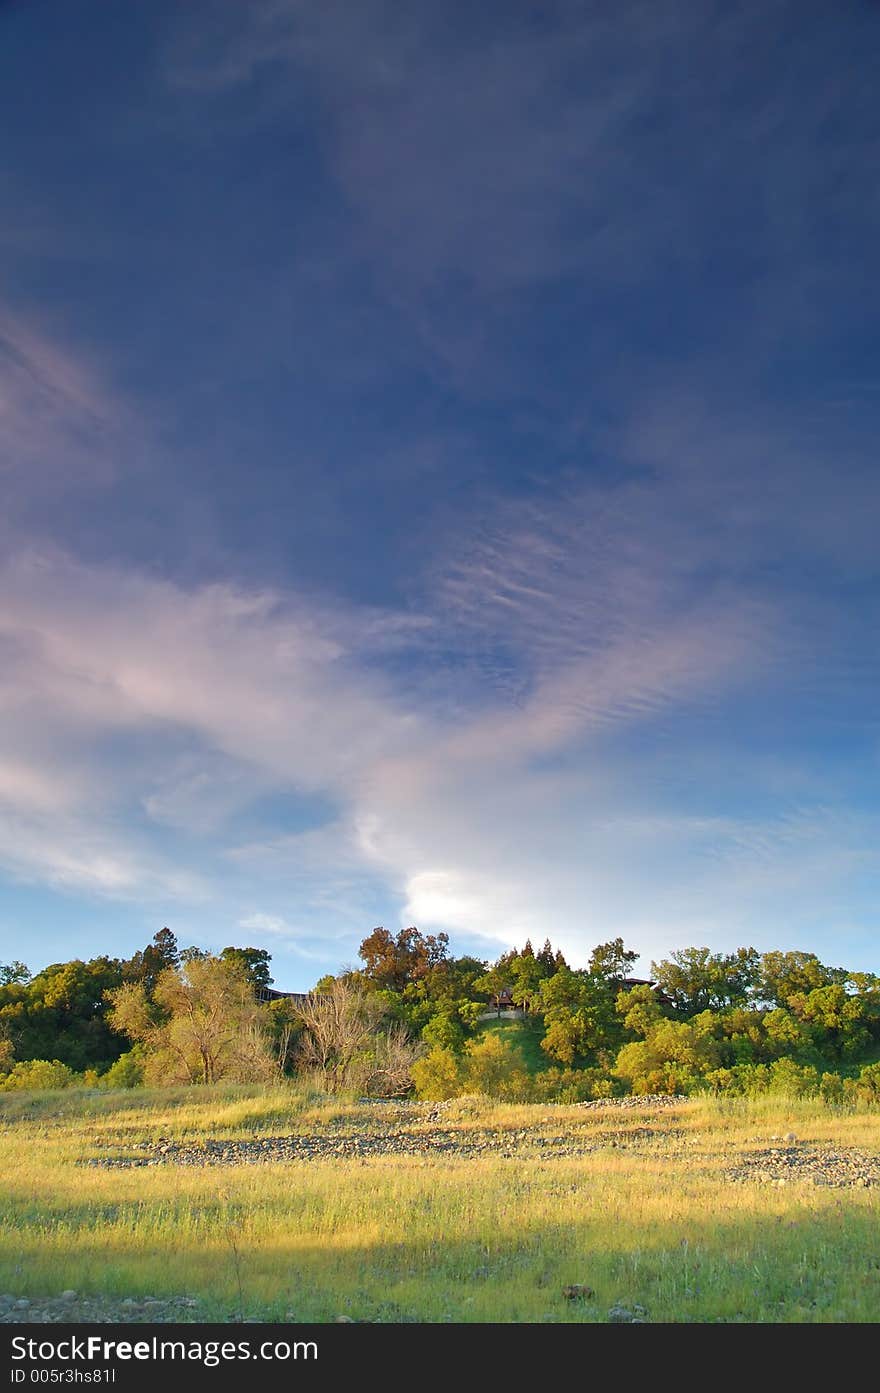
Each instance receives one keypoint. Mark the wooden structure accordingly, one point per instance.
(266, 994)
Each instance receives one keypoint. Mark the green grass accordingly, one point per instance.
(650, 1219)
(526, 1034)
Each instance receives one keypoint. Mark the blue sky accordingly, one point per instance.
(439, 461)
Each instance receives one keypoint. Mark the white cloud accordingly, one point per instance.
(134, 706)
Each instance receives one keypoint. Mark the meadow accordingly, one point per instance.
(649, 1218)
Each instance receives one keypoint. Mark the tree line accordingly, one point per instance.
(411, 1017)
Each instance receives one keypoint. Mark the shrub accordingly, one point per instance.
(127, 1072)
(867, 1085)
(794, 1080)
(571, 1085)
(495, 1067)
(35, 1074)
(438, 1075)
(831, 1088)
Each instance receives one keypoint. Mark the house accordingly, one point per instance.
(503, 1001)
(266, 994)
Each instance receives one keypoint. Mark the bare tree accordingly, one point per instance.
(344, 1041)
(394, 1054)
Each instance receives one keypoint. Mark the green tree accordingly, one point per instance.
(612, 960)
(783, 975)
(579, 1016)
(640, 1010)
(12, 973)
(673, 1058)
(254, 963)
(61, 1014)
(527, 975)
(495, 1067)
(159, 956)
(200, 1024)
(548, 958)
(696, 979)
(439, 1074)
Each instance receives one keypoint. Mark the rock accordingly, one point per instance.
(22, 1303)
(577, 1292)
(621, 1315)
(344, 1320)
(69, 1295)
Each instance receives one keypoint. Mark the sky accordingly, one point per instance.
(438, 451)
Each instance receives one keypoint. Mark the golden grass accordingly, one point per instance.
(651, 1220)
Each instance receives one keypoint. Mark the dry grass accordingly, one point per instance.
(647, 1218)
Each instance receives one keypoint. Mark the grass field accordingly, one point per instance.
(649, 1218)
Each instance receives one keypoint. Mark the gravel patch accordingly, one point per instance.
(838, 1167)
(639, 1101)
(72, 1307)
(439, 1142)
(415, 1134)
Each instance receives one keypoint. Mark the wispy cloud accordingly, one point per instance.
(54, 411)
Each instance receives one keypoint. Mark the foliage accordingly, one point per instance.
(612, 960)
(415, 1018)
(145, 968)
(12, 973)
(491, 1065)
(672, 1058)
(62, 1013)
(696, 979)
(37, 1074)
(201, 1024)
(349, 1043)
(394, 963)
(127, 1072)
(579, 1015)
(254, 964)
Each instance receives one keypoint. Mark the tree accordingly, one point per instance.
(839, 1021)
(349, 1044)
(61, 1013)
(640, 1010)
(495, 1067)
(783, 975)
(439, 1074)
(200, 1025)
(611, 960)
(548, 958)
(7, 1051)
(392, 962)
(159, 956)
(14, 972)
(285, 1025)
(696, 979)
(579, 1016)
(528, 973)
(671, 1059)
(254, 963)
